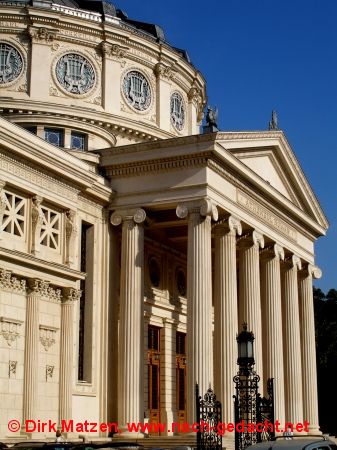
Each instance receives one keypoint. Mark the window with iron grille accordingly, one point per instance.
(77, 140)
(54, 136)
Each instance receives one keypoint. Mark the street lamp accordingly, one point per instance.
(245, 351)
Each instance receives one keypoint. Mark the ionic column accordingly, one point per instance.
(292, 342)
(31, 359)
(199, 298)
(69, 296)
(272, 324)
(131, 315)
(308, 347)
(249, 292)
(225, 314)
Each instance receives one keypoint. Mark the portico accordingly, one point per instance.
(249, 248)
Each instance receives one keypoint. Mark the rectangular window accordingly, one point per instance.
(77, 141)
(54, 136)
(14, 215)
(153, 345)
(32, 130)
(181, 375)
(86, 304)
(50, 228)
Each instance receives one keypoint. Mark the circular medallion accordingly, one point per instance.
(136, 90)
(11, 63)
(177, 111)
(75, 74)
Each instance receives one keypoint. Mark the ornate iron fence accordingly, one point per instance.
(251, 408)
(208, 410)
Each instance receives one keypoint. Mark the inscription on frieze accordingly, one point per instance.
(267, 216)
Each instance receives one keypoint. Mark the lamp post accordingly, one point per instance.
(250, 407)
(246, 390)
(246, 360)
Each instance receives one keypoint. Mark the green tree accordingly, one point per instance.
(326, 349)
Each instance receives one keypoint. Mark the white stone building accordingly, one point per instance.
(173, 237)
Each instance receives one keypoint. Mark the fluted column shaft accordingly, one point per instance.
(292, 342)
(225, 314)
(308, 347)
(249, 292)
(69, 295)
(272, 324)
(131, 316)
(199, 299)
(31, 363)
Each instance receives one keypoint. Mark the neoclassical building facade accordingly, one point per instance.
(132, 247)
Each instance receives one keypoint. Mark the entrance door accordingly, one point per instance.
(181, 376)
(154, 373)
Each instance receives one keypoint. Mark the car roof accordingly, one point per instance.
(290, 444)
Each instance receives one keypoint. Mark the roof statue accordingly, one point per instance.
(211, 120)
(273, 122)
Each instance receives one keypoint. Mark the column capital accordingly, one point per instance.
(293, 262)
(37, 286)
(42, 35)
(204, 207)
(273, 251)
(311, 271)
(137, 215)
(113, 51)
(229, 225)
(70, 295)
(253, 238)
(163, 71)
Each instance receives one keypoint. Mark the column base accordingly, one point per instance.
(36, 436)
(314, 431)
(124, 433)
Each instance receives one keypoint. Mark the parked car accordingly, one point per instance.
(296, 443)
(35, 445)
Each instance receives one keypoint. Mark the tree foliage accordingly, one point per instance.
(326, 353)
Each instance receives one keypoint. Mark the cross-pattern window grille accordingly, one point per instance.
(14, 218)
(50, 228)
(77, 140)
(54, 136)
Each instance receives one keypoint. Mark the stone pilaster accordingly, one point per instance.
(249, 291)
(168, 373)
(164, 75)
(71, 232)
(2, 205)
(199, 298)
(308, 347)
(292, 342)
(131, 342)
(272, 323)
(41, 41)
(31, 359)
(225, 314)
(37, 221)
(113, 61)
(69, 296)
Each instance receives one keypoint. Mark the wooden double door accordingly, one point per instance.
(153, 358)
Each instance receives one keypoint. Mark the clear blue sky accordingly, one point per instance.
(259, 55)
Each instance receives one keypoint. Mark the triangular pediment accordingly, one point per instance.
(265, 164)
(270, 156)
